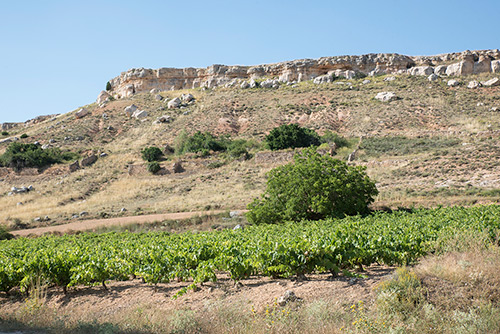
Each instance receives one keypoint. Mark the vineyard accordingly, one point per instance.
(269, 250)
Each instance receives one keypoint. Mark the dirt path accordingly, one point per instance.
(85, 225)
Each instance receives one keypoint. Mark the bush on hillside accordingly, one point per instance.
(5, 133)
(151, 154)
(4, 235)
(313, 187)
(200, 142)
(291, 136)
(19, 156)
(334, 138)
(24, 135)
(153, 167)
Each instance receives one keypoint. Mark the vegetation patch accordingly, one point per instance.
(19, 156)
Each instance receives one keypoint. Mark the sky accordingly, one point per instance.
(56, 56)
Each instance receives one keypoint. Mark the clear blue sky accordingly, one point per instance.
(58, 55)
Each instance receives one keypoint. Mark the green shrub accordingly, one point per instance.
(153, 167)
(291, 136)
(4, 235)
(334, 138)
(108, 86)
(313, 187)
(199, 143)
(24, 135)
(20, 155)
(5, 133)
(151, 154)
(239, 147)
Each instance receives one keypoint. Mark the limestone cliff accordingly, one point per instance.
(450, 64)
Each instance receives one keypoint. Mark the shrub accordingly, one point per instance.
(24, 135)
(4, 235)
(108, 86)
(151, 154)
(332, 137)
(20, 155)
(5, 133)
(313, 187)
(153, 167)
(291, 136)
(199, 143)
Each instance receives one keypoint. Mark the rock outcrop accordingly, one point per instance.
(323, 70)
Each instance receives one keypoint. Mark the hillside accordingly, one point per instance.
(434, 144)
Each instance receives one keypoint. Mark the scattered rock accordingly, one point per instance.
(386, 96)
(158, 97)
(453, 83)
(154, 91)
(110, 128)
(491, 82)
(74, 166)
(433, 77)
(82, 113)
(140, 114)
(45, 146)
(91, 159)
(130, 110)
(16, 190)
(473, 84)
(123, 209)
(366, 82)
(174, 103)
(234, 214)
(103, 97)
(237, 227)
(421, 70)
(83, 213)
(245, 85)
(187, 97)
(288, 296)
(164, 119)
(390, 78)
(253, 84)
(103, 154)
(177, 167)
(440, 70)
(494, 109)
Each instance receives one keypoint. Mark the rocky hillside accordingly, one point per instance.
(426, 139)
(349, 67)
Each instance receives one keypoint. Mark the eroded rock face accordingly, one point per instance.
(164, 79)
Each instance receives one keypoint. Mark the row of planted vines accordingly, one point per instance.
(280, 250)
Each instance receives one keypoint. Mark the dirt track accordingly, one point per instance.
(91, 224)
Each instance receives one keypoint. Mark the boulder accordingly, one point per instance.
(154, 91)
(103, 97)
(473, 84)
(187, 97)
(391, 78)
(245, 85)
(386, 96)
(323, 79)
(45, 146)
(140, 114)
(82, 113)
(164, 119)
(91, 159)
(464, 67)
(453, 83)
(158, 97)
(491, 82)
(433, 77)
(495, 66)
(421, 70)
(177, 167)
(174, 103)
(483, 65)
(440, 69)
(130, 110)
(288, 296)
(253, 84)
(366, 82)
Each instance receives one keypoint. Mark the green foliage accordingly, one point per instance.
(274, 250)
(153, 167)
(313, 187)
(4, 235)
(291, 136)
(151, 154)
(334, 138)
(108, 86)
(400, 145)
(24, 135)
(199, 143)
(20, 155)
(5, 133)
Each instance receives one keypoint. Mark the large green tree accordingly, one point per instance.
(313, 187)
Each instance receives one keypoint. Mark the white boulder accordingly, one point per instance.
(433, 77)
(174, 103)
(453, 83)
(491, 82)
(473, 84)
(386, 96)
(421, 70)
(82, 113)
(130, 110)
